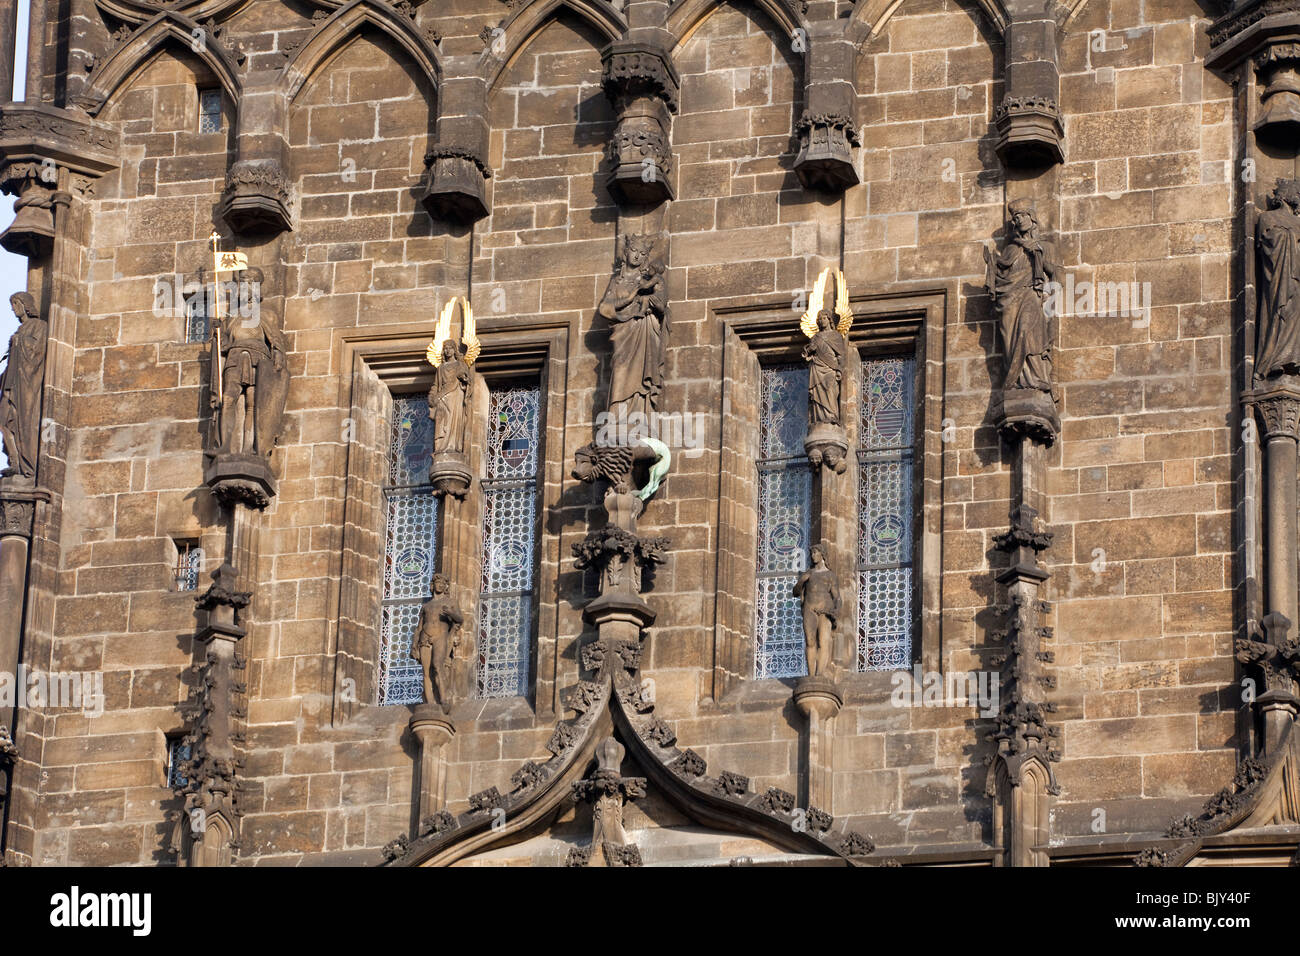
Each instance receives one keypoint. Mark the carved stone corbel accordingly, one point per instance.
(455, 184)
(256, 200)
(1028, 120)
(642, 85)
(827, 131)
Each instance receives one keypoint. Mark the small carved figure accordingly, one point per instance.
(820, 594)
(636, 306)
(437, 639)
(254, 377)
(20, 387)
(450, 396)
(1277, 239)
(1018, 281)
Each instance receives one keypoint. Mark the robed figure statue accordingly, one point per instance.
(1018, 283)
(636, 306)
(1277, 243)
(824, 353)
(254, 378)
(20, 387)
(449, 400)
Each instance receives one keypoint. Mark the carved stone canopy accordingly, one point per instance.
(255, 200)
(825, 159)
(455, 184)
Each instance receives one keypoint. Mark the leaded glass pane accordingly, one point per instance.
(411, 445)
(411, 552)
(887, 418)
(885, 511)
(780, 624)
(509, 541)
(885, 515)
(885, 608)
(412, 546)
(508, 551)
(177, 754)
(504, 627)
(783, 505)
(209, 111)
(784, 514)
(400, 680)
(513, 433)
(783, 424)
(196, 318)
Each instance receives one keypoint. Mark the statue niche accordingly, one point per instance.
(1277, 241)
(20, 388)
(1019, 281)
(435, 645)
(450, 397)
(636, 306)
(826, 353)
(250, 385)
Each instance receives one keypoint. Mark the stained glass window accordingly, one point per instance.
(509, 540)
(196, 317)
(885, 515)
(784, 510)
(209, 111)
(177, 753)
(411, 553)
(189, 564)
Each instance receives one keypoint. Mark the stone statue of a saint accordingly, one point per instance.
(636, 306)
(1277, 243)
(449, 400)
(254, 378)
(1018, 281)
(20, 387)
(437, 638)
(819, 593)
(825, 356)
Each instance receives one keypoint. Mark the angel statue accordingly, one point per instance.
(825, 352)
(450, 396)
(636, 306)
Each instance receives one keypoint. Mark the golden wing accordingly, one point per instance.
(442, 332)
(808, 324)
(842, 308)
(468, 334)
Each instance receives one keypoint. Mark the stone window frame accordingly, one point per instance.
(393, 357)
(766, 331)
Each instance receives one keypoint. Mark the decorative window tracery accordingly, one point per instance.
(784, 529)
(411, 552)
(210, 111)
(505, 619)
(885, 551)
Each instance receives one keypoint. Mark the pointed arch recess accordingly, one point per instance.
(138, 11)
(869, 19)
(522, 26)
(343, 26)
(143, 45)
(686, 16)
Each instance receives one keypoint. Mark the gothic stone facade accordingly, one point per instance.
(1114, 546)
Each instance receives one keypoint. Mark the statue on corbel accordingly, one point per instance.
(1020, 280)
(437, 643)
(826, 354)
(450, 398)
(249, 386)
(20, 389)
